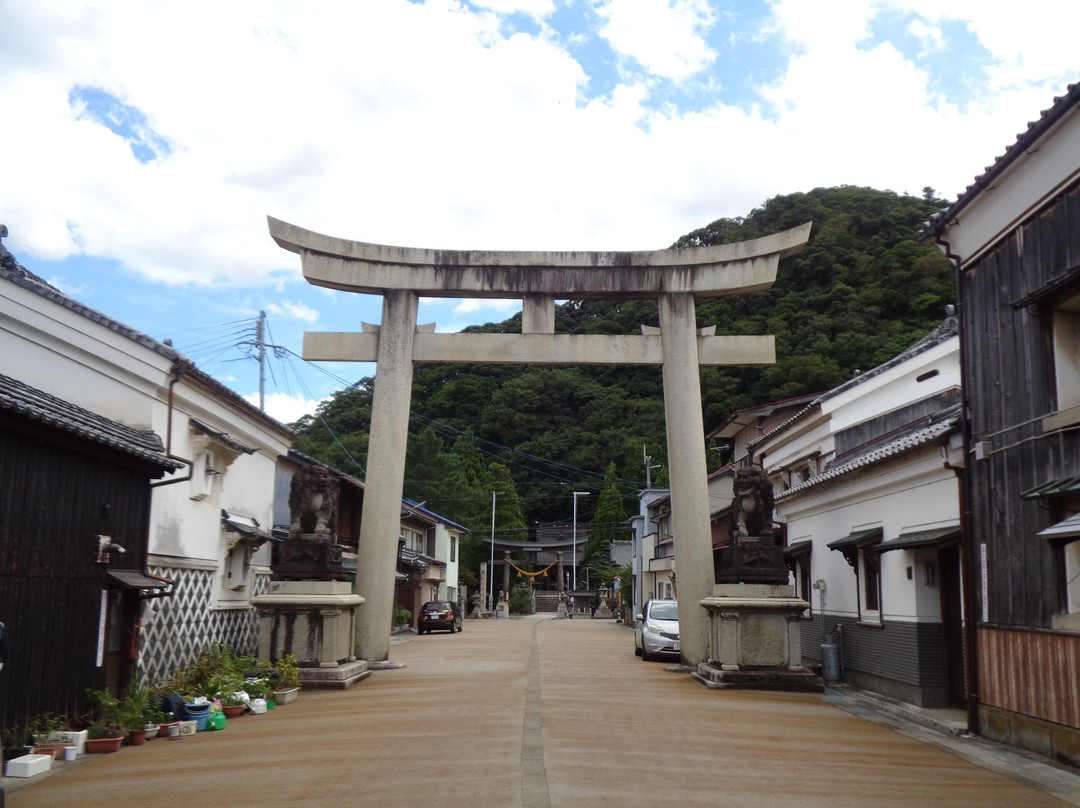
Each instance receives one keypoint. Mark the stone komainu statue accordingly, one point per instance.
(752, 506)
(312, 501)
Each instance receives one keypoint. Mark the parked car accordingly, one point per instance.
(439, 615)
(656, 629)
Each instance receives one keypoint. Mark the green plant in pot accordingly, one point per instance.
(43, 726)
(107, 732)
(288, 672)
(15, 740)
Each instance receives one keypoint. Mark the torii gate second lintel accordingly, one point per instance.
(675, 278)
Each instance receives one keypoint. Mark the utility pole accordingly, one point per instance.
(260, 341)
(648, 468)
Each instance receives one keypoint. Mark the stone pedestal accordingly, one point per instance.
(754, 639)
(316, 621)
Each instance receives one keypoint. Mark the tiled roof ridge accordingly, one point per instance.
(948, 328)
(28, 402)
(1024, 140)
(941, 424)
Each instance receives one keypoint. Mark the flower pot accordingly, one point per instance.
(287, 695)
(233, 710)
(151, 731)
(136, 737)
(103, 744)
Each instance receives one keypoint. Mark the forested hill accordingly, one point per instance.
(861, 291)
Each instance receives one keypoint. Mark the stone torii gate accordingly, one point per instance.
(401, 275)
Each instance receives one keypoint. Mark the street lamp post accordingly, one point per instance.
(576, 495)
(491, 566)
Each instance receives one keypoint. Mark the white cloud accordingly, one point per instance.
(296, 311)
(537, 9)
(663, 36)
(284, 407)
(429, 125)
(472, 305)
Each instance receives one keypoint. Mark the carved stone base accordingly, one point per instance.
(754, 639)
(794, 681)
(751, 560)
(315, 620)
(339, 678)
(309, 557)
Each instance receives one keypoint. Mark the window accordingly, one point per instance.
(453, 548)
(803, 580)
(860, 550)
(237, 562)
(870, 573)
(203, 476)
(1065, 537)
(414, 539)
(1065, 335)
(1072, 577)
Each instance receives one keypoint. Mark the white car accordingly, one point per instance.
(656, 631)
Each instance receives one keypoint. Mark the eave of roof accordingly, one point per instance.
(916, 438)
(28, 402)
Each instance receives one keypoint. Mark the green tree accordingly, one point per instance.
(608, 525)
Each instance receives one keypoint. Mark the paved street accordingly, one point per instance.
(536, 712)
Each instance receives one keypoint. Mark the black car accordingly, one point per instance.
(439, 615)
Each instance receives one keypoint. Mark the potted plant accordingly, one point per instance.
(232, 704)
(106, 733)
(287, 676)
(45, 730)
(260, 693)
(129, 712)
(104, 736)
(153, 716)
(15, 740)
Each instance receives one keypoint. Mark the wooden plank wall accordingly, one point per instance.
(1035, 673)
(1009, 385)
(52, 503)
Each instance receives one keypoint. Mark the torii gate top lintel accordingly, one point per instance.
(716, 271)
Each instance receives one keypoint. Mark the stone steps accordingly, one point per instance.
(547, 601)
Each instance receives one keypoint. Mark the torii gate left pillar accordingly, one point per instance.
(675, 278)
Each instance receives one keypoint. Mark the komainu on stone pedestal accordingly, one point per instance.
(755, 554)
(312, 501)
(752, 505)
(310, 553)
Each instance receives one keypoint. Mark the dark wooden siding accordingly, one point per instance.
(1008, 376)
(55, 495)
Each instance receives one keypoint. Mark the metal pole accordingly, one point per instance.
(576, 495)
(491, 570)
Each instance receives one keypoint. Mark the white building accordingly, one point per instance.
(867, 491)
(209, 523)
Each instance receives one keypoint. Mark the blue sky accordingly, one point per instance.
(145, 143)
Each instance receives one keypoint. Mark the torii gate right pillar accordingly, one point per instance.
(688, 472)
